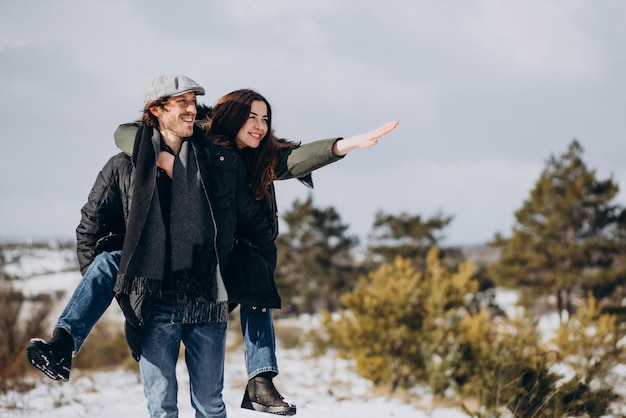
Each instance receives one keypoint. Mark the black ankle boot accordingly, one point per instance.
(261, 395)
(54, 357)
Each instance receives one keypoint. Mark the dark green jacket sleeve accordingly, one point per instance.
(301, 161)
(125, 137)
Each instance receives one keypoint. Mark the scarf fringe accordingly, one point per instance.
(137, 285)
(195, 312)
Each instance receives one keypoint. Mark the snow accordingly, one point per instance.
(320, 386)
(26, 263)
(120, 393)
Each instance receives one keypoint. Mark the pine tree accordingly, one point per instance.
(397, 319)
(499, 362)
(405, 235)
(589, 345)
(566, 234)
(315, 264)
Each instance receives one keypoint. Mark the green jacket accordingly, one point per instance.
(297, 162)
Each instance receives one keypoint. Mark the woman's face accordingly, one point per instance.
(255, 128)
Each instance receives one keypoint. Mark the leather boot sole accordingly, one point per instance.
(40, 356)
(247, 403)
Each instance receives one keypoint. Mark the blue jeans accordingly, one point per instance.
(259, 341)
(94, 294)
(205, 347)
(91, 298)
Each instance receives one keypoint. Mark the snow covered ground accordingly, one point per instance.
(320, 386)
(324, 386)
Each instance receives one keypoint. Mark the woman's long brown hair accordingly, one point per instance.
(228, 116)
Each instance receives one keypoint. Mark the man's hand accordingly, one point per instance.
(165, 161)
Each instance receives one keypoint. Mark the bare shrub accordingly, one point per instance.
(20, 317)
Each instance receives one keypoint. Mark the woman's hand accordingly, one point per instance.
(366, 140)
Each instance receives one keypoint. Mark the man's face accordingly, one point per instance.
(176, 117)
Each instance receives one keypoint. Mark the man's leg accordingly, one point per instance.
(160, 347)
(259, 344)
(90, 300)
(205, 348)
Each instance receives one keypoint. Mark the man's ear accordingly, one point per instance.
(154, 110)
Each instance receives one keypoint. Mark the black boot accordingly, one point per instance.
(262, 396)
(54, 357)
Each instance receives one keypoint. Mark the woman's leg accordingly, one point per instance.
(91, 298)
(259, 343)
(88, 302)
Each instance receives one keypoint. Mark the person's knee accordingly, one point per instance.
(104, 269)
(111, 258)
(108, 262)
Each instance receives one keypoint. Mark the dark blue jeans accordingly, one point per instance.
(205, 347)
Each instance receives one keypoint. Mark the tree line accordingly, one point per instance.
(568, 239)
(410, 312)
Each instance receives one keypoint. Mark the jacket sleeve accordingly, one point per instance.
(125, 137)
(103, 214)
(304, 159)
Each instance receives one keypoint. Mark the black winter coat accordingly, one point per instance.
(107, 208)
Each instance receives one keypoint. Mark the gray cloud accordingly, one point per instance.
(486, 91)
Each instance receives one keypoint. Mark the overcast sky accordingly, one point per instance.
(485, 92)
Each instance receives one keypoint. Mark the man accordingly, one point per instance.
(179, 232)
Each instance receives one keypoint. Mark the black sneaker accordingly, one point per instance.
(53, 358)
(261, 395)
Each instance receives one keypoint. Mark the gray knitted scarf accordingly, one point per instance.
(199, 292)
(197, 279)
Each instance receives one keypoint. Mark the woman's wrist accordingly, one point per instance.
(342, 146)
